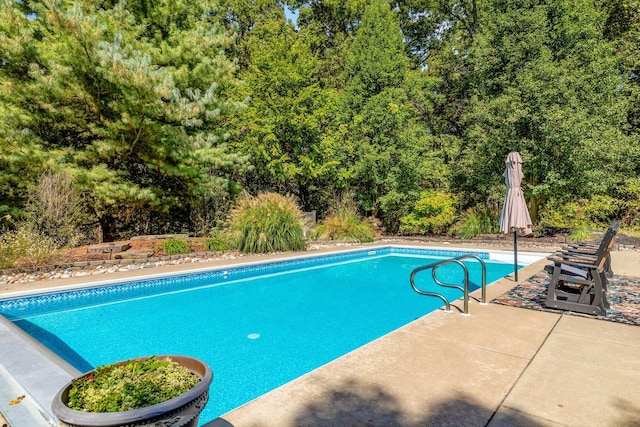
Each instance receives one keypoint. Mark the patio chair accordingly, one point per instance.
(579, 281)
(590, 249)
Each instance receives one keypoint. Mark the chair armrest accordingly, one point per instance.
(580, 255)
(581, 249)
(583, 245)
(587, 244)
(571, 261)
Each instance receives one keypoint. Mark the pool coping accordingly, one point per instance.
(28, 368)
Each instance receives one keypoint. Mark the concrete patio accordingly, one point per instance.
(501, 366)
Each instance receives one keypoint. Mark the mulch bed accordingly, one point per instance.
(623, 294)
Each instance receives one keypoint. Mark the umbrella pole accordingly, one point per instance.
(515, 254)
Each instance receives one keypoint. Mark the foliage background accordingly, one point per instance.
(152, 117)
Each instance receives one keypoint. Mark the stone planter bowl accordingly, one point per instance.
(180, 411)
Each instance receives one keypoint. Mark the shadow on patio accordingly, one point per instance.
(355, 404)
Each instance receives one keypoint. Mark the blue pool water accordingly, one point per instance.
(258, 327)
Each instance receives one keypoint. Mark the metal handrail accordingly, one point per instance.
(484, 274)
(435, 294)
(433, 267)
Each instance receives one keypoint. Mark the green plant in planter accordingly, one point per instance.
(135, 384)
(157, 390)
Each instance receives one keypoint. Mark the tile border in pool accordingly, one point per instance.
(36, 361)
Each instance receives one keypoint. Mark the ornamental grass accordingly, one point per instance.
(268, 222)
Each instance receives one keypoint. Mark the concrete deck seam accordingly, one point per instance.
(546, 338)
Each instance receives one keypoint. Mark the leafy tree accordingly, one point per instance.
(384, 109)
(333, 24)
(437, 30)
(126, 97)
(331, 17)
(438, 34)
(622, 29)
(544, 83)
(241, 17)
(283, 127)
(136, 104)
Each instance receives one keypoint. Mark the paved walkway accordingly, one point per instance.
(501, 366)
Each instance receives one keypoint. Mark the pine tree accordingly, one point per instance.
(130, 98)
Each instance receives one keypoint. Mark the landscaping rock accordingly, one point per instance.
(161, 236)
(108, 248)
(134, 254)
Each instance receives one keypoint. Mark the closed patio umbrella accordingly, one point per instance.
(515, 215)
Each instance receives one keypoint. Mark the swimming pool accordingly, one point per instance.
(258, 326)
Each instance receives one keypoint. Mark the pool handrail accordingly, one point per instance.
(483, 266)
(457, 260)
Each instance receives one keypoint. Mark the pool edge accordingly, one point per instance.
(26, 362)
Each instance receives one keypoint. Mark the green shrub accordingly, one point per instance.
(595, 213)
(433, 213)
(630, 212)
(344, 223)
(580, 233)
(557, 215)
(136, 384)
(476, 222)
(216, 241)
(56, 209)
(601, 210)
(393, 206)
(25, 247)
(175, 246)
(265, 223)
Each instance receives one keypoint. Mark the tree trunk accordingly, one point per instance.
(108, 227)
(303, 194)
(534, 208)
